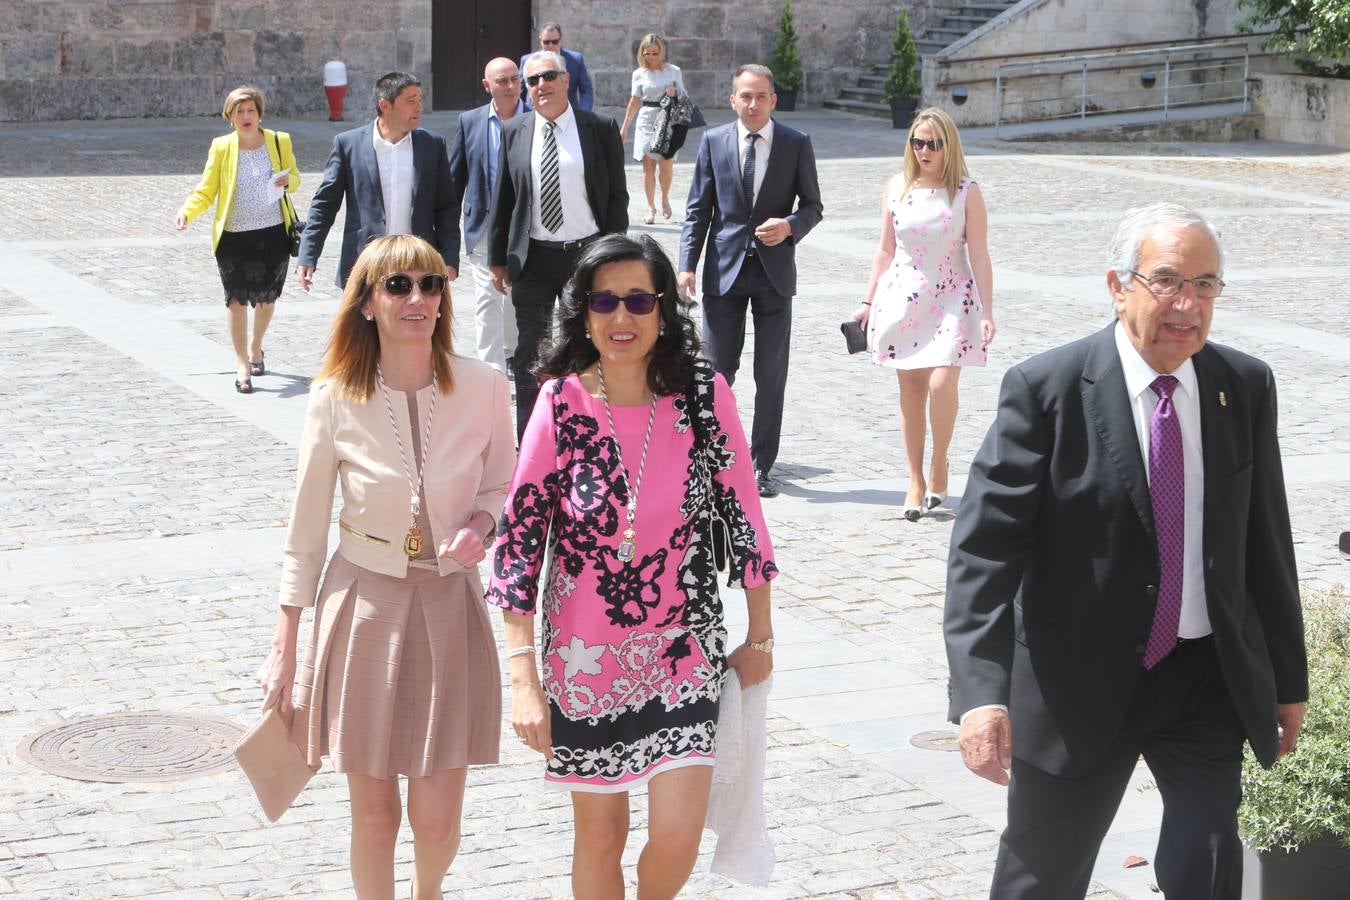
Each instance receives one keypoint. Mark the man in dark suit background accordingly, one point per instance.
(395, 179)
(1121, 580)
(560, 185)
(474, 156)
(741, 202)
(580, 92)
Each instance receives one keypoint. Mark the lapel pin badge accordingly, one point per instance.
(1223, 399)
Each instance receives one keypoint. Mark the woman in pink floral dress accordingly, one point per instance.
(631, 446)
(929, 307)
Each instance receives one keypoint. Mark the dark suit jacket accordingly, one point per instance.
(718, 212)
(470, 171)
(352, 174)
(580, 91)
(1052, 575)
(606, 187)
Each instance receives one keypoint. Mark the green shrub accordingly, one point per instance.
(1307, 793)
(1316, 33)
(784, 60)
(902, 80)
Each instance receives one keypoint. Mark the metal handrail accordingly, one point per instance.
(1083, 64)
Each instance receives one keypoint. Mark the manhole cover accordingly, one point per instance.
(935, 740)
(134, 747)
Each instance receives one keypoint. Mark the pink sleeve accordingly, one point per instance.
(531, 503)
(738, 505)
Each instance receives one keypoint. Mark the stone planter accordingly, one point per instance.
(787, 99)
(1316, 871)
(902, 111)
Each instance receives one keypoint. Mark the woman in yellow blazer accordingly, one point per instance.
(401, 674)
(251, 231)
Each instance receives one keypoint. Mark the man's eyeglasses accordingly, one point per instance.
(919, 143)
(550, 75)
(400, 285)
(1168, 285)
(604, 302)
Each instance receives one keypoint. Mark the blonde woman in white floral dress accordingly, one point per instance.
(929, 307)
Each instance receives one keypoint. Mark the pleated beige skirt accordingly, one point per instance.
(401, 674)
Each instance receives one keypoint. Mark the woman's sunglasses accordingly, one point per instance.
(919, 143)
(604, 302)
(549, 75)
(401, 285)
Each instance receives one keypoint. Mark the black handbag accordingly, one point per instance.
(721, 539)
(854, 339)
(297, 229)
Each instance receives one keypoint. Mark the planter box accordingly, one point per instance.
(1317, 871)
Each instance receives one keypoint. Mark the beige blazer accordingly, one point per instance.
(469, 468)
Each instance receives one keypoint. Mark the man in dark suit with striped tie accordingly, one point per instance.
(748, 177)
(560, 185)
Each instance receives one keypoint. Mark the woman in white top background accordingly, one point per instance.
(654, 78)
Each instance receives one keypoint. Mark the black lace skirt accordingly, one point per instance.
(253, 264)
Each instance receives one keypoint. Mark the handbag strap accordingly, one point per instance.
(285, 200)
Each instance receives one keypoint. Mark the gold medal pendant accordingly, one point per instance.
(412, 544)
(627, 546)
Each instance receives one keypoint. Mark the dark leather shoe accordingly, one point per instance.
(764, 482)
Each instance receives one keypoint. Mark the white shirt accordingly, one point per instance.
(1139, 375)
(762, 148)
(396, 181)
(578, 220)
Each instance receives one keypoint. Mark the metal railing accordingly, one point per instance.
(1210, 72)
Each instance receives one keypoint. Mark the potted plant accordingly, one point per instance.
(1295, 817)
(785, 62)
(903, 85)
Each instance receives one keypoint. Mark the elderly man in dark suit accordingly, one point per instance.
(580, 92)
(1122, 581)
(560, 185)
(395, 179)
(474, 156)
(747, 178)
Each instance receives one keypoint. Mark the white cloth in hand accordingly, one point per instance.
(736, 808)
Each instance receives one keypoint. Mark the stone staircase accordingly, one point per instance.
(868, 95)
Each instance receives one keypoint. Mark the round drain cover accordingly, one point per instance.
(935, 740)
(129, 747)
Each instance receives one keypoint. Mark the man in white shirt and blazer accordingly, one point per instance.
(747, 178)
(1121, 581)
(474, 153)
(394, 178)
(560, 185)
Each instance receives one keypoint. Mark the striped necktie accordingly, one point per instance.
(550, 194)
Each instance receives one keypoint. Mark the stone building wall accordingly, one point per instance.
(100, 59)
(838, 39)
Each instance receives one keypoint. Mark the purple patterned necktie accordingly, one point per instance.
(1167, 487)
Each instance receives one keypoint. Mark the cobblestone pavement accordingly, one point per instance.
(144, 502)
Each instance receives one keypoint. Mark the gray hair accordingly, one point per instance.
(548, 56)
(1140, 222)
(551, 26)
(754, 69)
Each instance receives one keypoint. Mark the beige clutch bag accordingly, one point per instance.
(273, 763)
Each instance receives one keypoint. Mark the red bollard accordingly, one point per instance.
(335, 86)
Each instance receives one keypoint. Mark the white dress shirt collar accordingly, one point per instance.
(762, 148)
(395, 163)
(1139, 375)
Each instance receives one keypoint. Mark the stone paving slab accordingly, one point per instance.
(141, 554)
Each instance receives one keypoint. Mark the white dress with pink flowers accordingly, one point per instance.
(926, 309)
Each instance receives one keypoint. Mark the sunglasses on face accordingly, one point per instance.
(401, 285)
(605, 302)
(919, 143)
(550, 75)
(546, 42)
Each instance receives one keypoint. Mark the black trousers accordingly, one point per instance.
(533, 294)
(724, 335)
(1183, 722)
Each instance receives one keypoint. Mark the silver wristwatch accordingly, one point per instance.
(764, 646)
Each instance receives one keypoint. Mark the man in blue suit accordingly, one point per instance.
(473, 171)
(395, 179)
(580, 93)
(747, 178)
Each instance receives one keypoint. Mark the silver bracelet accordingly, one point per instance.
(521, 651)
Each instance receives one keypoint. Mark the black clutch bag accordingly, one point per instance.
(854, 339)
